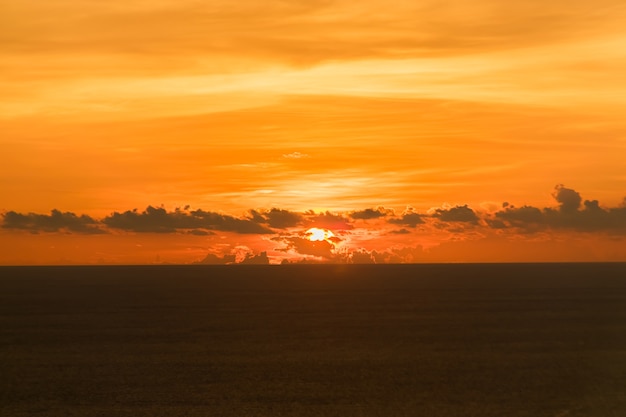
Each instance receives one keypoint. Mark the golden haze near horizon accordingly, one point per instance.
(410, 131)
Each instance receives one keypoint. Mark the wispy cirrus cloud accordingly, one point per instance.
(295, 155)
(301, 32)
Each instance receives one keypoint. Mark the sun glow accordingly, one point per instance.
(315, 234)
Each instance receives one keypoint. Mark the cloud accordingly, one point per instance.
(457, 214)
(400, 232)
(405, 254)
(277, 218)
(328, 220)
(247, 258)
(155, 220)
(213, 259)
(226, 223)
(569, 215)
(54, 222)
(517, 217)
(200, 232)
(362, 257)
(322, 248)
(295, 155)
(260, 259)
(158, 220)
(568, 199)
(409, 218)
(370, 213)
(592, 218)
(300, 31)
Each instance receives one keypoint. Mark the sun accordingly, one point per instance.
(315, 234)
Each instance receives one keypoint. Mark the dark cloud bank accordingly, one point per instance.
(409, 218)
(158, 220)
(56, 221)
(571, 213)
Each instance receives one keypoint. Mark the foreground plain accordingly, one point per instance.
(388, 340)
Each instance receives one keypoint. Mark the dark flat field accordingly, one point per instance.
(393, 340)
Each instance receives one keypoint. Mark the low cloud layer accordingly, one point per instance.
(277, 218)
(158, 220)
(568, 199)
(457, 214)
(370, 213)
(303, 246)
(571, 212)
(570, 215)
(328, 220)
(409, 218)
(231, 259)
(56, 221)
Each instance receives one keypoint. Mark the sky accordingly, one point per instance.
(186, 131)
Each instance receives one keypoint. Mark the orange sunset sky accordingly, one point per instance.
(180, 131)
